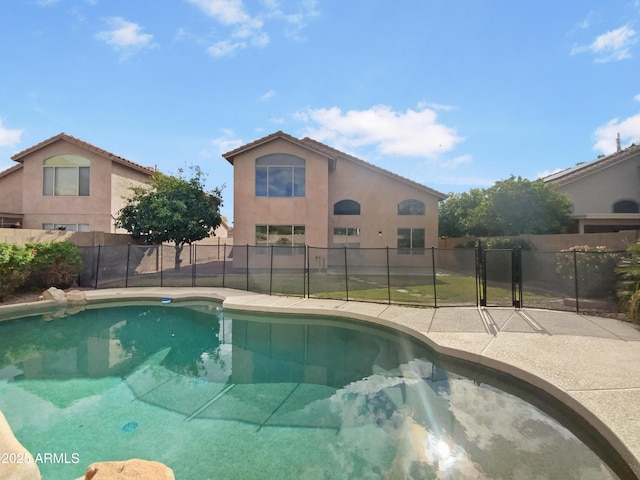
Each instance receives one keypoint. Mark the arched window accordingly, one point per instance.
(626, 206)
(280, 175)
(66, 175)
(411, 207)
(346, 207)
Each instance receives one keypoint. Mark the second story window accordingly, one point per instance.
(280, 175)
(411, 207)
(65, 175)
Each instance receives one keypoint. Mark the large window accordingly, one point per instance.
(411, 241)
(292, 236)
(346, 207)
(280, 175)
(66, 175)
(346, 237)
(411, 207)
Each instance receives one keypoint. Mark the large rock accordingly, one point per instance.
(55, 294)
(18, 464)
(128, 470)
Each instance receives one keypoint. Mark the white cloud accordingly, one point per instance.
(268, 95)
(9, 137)
(125, 36)
(546, 173)
(246, 30)
(628, 128)
(229, 141)
(414, 133)
(612, 45)
(227, 12)
(637, 98)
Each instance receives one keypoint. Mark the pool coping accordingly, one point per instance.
(585, 362)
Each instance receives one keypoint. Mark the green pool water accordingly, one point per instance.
(221, 395)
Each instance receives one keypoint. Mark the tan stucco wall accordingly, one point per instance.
(597, 192)
(93, 209)
(11, 192)
(310, 210)
(378, 196)
(122, 179)
(109, 182)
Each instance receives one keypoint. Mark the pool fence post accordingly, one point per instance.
(346, 273)
(304, 273)
(247, 267)
(271, 271)
(193, 265)
(224, 261)
(98, 266)
(126, 275)
(308, 255)
(575, 279)
(388, 278)
(161, 266)
(433, 273)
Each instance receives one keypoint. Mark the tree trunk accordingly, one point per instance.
(178, 261)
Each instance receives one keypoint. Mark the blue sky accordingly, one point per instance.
(454, 95)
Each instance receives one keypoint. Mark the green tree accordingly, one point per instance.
(510, 207)
(172, 209)
(455, 212)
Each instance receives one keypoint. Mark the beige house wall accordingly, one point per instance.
(11, 188)
(378, 196)
(599, 191)
(122, 180)
(330, 176)
(310, 210)
(93, 209)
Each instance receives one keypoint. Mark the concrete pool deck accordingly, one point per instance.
(591, 364)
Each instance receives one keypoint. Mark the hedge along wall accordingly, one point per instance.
(614, 241)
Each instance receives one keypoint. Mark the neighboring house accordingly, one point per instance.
(68, 184)
(605, 193)
(296, 192)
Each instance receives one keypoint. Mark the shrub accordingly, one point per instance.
(56, 264)
(596, 268)
(629, 284)
(14, 267)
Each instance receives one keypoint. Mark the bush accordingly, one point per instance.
(596, 268)
(56, 264)
(14, 267)
(629, 284)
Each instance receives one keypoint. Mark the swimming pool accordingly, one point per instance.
(216, 394)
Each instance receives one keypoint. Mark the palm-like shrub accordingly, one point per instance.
(629, 284)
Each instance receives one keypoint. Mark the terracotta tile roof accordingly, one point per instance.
(582, 169)
(331, 153)
(19, 157)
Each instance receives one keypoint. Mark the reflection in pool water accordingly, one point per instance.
(220, 395)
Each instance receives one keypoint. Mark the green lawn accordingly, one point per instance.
(404, 289)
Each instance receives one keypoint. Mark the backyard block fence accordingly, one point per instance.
(433, 277)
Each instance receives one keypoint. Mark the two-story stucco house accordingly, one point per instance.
(66, 183)
(605, 193)
(290, 191)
